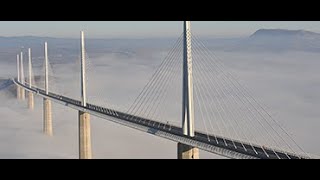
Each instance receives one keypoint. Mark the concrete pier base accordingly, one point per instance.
(187, 152)
(47, 117)
(30, 101)
(22, 94)
(18, 93)
(84, 136)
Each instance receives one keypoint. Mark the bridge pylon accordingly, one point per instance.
(47, 110)
(22, 79)
(186, 151)
(18, 78)
(84, 117)
(30, 94)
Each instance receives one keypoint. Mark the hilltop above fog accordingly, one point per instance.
(278, 40)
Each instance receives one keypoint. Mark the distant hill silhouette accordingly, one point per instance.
(279, 40)
(62, 50)
(284, 32)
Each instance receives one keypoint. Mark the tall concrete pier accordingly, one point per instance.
(22, 79)
(47, 113)
(30, 94)
(84, 117)
(186, 151)
(18, 78)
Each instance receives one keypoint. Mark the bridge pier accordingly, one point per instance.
(84, 117)
(18, 78)
(22, 79)
(22, 94)
(187, 152)
(30, 101)
(18, 93)
(30, 94)
(47, 117)
(47, 113)
(19, 89)
(84, 136)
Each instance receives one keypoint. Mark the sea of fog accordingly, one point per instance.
(288, 84)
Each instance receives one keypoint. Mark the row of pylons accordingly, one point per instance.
(85, 152)
(21, 92)
(84, 118)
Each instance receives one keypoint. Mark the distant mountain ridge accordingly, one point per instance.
(284, 32)
(278, 40)
(66, 49)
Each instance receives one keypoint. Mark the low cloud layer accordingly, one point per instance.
(114, 82)
(287, 83)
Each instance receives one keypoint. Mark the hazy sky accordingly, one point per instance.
(286, 83)
(138, 29)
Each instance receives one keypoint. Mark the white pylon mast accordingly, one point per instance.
(83, 71)
(21, 69)
(187, 95)
(30, 68)
(18, 67)
(46, 80)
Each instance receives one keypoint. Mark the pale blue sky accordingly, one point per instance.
(144, 29)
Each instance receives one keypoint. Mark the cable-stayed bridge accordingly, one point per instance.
(191, 99)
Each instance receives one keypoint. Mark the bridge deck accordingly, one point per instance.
(218, 145)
